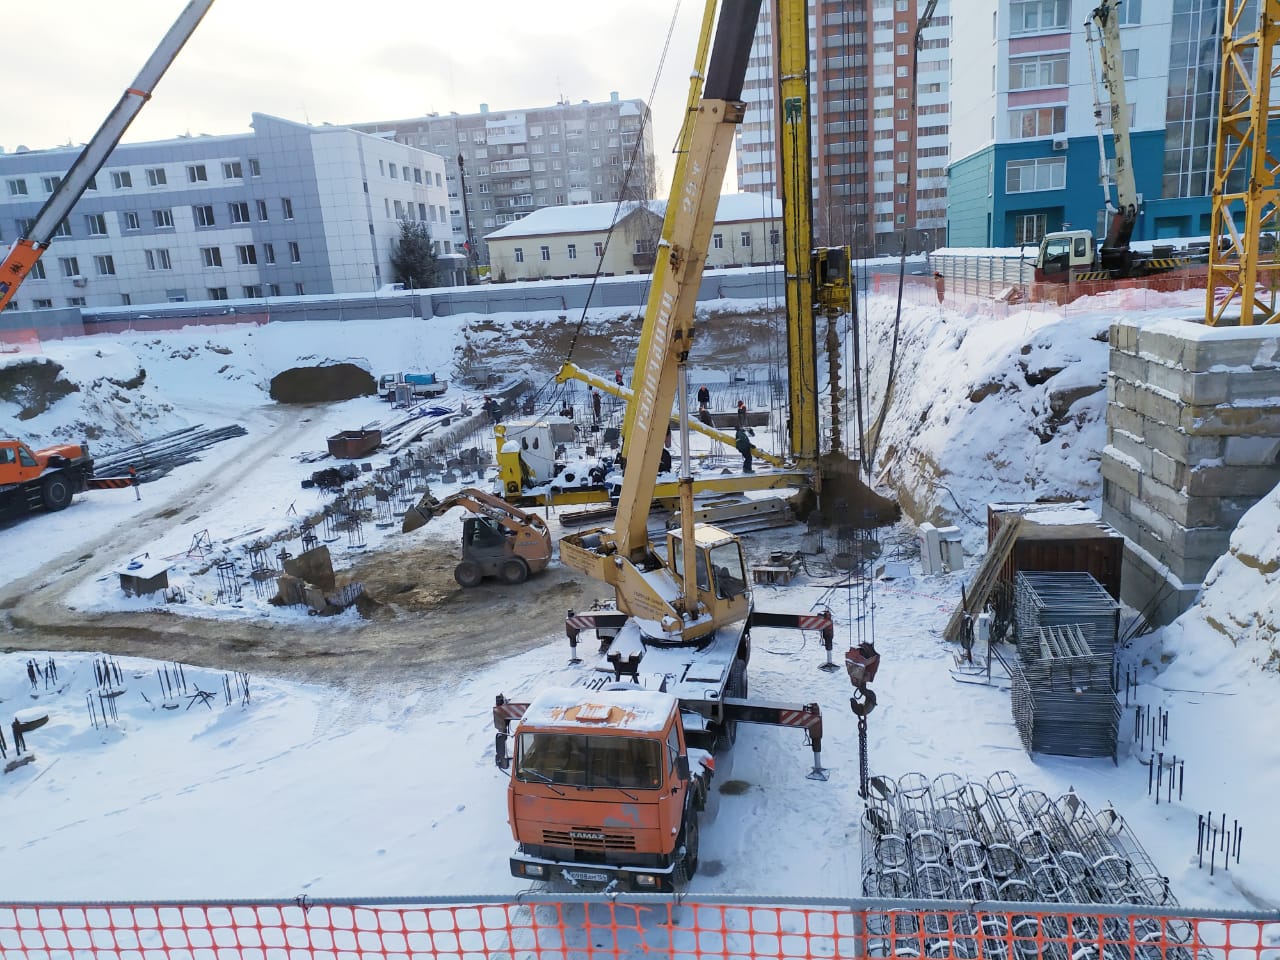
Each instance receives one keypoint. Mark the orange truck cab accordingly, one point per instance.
(48, 478)
(605, 791)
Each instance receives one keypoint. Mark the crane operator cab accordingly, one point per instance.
(720, 574)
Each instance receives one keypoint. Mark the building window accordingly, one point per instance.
(122, 179)
(70, 266)
(1037, 122)
(196, 173)
(217, 293)
(17, 188)
(1130, 64)
(262, 209)
(50, 183)
(96, 224)
(268, 253)
(162, 218)
(599, 249)
(405, 173)
(158, 260)
(252, 291)
(75, 301)
(717, 241)
(156, 176)
(1030, 228)
(105, 264)
(212, 256)
(295, 254)
(391, 168)
(286, 207)
(239, 212)
(255, 168)
(37, 271)
(545, 253)
(232, 170)
(203, 215)
(131, 221)
(1130, 13)
(299, 290)
(573, 251)
(64, 228)
(42, 304)
(1029, 176)
(248, 254)
(1038, 16)
(744, 239)
(519, 255)
(1046, 70)
(273, 289)
(399, 205)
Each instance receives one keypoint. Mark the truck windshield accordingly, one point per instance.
(581, 760)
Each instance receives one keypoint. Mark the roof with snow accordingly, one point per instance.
(598, 217)
(580, 218)
(639, 709)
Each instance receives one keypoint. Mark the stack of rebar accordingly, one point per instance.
(1043, 599)
(955, 839)
(1063, 700)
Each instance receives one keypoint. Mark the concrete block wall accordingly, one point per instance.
(1193, 441)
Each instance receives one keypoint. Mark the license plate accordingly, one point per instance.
(586, 876)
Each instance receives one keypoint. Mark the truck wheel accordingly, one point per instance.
(514, 571)
(55, 492)
(468, 574)
(687, 864)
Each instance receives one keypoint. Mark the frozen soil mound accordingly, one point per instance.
(34, 385)
(324, 384)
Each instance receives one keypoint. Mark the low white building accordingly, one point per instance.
(559, 242)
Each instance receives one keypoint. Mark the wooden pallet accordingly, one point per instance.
(984, 580)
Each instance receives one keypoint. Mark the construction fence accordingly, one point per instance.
(582, 927)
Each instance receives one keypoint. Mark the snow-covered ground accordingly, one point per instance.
(308, 789)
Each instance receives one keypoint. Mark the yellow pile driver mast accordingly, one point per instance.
(815, 278)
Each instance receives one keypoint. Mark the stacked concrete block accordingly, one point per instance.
(1193, 441)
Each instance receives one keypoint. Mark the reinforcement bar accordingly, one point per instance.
(535, 926)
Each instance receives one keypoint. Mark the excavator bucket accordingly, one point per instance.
(420, 514)
(843, 490)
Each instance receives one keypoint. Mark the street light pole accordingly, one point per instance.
(466, 217)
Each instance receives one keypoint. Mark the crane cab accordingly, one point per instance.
(721, 574)
(1062, 254)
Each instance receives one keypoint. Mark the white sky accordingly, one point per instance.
(324, 61)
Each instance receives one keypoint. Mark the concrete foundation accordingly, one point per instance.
(1193, 441)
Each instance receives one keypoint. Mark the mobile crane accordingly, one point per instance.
(26, 251)
(1072, 255)
(499, 540)
(609, 776)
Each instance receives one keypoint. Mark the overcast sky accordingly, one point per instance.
(65, 64)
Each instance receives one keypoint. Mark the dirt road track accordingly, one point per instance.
(424, 626)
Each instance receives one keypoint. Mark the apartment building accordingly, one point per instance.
(879, 122)
(517, 161)
(1025, 157)
(285, 210)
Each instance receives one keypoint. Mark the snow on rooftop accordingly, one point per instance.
(579, 218)
(643, 711)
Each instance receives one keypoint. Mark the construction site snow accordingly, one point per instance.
(308, 789)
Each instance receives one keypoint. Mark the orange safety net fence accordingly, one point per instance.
(594, 928)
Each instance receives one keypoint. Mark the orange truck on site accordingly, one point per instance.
(36, 479)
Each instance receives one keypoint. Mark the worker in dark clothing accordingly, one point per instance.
(743, 443)
(704, 398)
(595, 403)
(617, 377)
(133, 479)
(742, 415)
(492, 408)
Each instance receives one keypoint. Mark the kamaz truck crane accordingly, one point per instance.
(609, 775)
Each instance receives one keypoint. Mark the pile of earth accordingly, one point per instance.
(322, 384)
